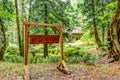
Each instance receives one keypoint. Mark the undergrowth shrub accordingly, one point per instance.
(73, 54)
(87, 37)
(13, 58)
(85, 58)
(106, 46)
(77, 54)
(71, 50)
(53, 49)
(36, 49)
(12, 49)
(89, 58)
(40, 59)
(73, 59)
(12, 54)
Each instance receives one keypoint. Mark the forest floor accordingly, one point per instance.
(48, 71)
(81, 71)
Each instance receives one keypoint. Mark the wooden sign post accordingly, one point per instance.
(43, 39)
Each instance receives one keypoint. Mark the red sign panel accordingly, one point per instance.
(44, 39)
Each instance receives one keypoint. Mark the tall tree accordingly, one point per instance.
(22, 15)
(103, 27)
(3, 40)
(18, 28)
(97, 39)
(30, 7)
(114, 34)
(6, 15)
(91, 12)
(45, 29)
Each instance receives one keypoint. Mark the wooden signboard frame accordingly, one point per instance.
(27, 27)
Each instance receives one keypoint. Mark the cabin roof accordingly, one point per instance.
(77, 30)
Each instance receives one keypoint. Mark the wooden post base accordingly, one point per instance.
(63, 67)
(26, 74)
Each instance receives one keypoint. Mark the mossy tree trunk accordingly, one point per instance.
(114, 34)
(18, 28)
(97, 39)
(103, 27)
(2, 40)
(22, 31)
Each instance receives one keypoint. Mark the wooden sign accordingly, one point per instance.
(44, 39)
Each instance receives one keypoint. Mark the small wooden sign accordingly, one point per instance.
(44, 39)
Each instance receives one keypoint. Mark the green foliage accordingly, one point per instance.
(67, 13)
(87, 37)
(77, 54)
(40, 59)
(77, 48)
(89, 58)
(13, 58)
(12, 49)
(106, 46)
(36, 49)
(71, 50)
(73, 53)
(85, 58)
(99, 12)
(59, 12)
(12, 54)
(6, 10)
(54, 49)
(112, 4)
(73, 59)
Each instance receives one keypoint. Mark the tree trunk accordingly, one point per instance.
(103, 35)
(114, 35)
(97, 39)
(3, 40)
(22, 14)
(18, 28)
(30, 5)
(45, 30)
(103, 28)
